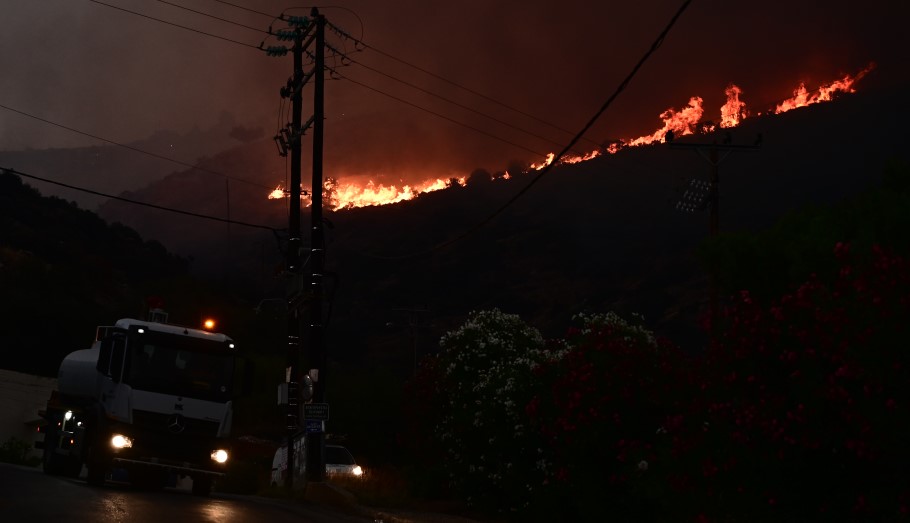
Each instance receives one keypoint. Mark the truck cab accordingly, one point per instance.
(147, 397)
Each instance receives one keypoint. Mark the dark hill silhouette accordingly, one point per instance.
(598, 235)
(112, 169)
(64, 271)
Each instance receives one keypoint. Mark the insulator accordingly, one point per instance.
(285, 34)
(299, 21)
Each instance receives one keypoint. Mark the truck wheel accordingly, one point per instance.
(51, 462)
(202, 485)
(97, 467)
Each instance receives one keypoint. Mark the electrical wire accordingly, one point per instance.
(245, 8)
(344, 34)
(443, 98)
(439, 115)
(203, 13)
(187, 28)
(359, 41)
(131, 148)
(136, 202)
(622, 86)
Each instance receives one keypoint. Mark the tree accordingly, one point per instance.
(472, 396)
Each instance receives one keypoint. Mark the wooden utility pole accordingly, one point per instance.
(305, 31)
(413, 324)
(709, 151)
(289, 138)
(315, 470)
(293, 350)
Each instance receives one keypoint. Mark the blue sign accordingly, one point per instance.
(314, 426)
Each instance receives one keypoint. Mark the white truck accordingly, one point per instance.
(149, 398)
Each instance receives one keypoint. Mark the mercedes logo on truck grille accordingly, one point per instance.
(176, 424)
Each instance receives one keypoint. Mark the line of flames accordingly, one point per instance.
(338, 195)
(682, 122)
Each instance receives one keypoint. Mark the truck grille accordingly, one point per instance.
(174, 424)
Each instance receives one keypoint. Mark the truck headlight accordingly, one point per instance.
(119, 441)
(221, 456)
(357, 471)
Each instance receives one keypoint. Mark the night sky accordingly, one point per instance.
(122, 76)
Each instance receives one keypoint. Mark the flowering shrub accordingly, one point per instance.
(601, 413)
(808, 401)
(799, 411)
(481, 381)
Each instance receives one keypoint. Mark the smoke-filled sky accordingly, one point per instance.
(123, 76)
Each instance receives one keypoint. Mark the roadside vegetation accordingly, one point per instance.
(795, 411)
(18, 452)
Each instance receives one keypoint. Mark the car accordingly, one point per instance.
(340, 463)
(280, 462)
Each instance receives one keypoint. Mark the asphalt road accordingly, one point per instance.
(28, 495)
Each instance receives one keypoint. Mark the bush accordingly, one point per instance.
(807, 397)
(472, 396)
(17, 452)
(600, 410)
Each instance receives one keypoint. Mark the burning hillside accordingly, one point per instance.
(343, 194)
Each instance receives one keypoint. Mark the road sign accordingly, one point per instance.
(314, 426)
(316, 411)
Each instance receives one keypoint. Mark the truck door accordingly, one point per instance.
(112, 363)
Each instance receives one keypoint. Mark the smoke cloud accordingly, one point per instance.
(124, 76)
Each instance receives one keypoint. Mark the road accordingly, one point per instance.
(28, 495)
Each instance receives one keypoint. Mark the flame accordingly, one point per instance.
(546, 162)
(583, 158)
(801, 97)
(682, 122)
(350, 195)
(734, 111)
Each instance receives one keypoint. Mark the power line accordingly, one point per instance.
(622, 86)
(203, 13)
(359, 41)
(457, 104)
(131, 148)
(439, 115)
(238, 42)
(344, 34)
(245, 8)
(136, 202)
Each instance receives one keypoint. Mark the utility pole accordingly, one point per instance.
(315, 469)
(289, 137)
(709, 152)
(413, 325)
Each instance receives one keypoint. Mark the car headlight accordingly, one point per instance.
(119, 441)
(220, 455)
(357, 471)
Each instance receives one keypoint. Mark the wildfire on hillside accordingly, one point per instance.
(688, 120)
(347, 195)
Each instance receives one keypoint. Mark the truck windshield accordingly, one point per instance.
(158, 367)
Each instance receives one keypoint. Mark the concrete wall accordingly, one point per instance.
(21, 397)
